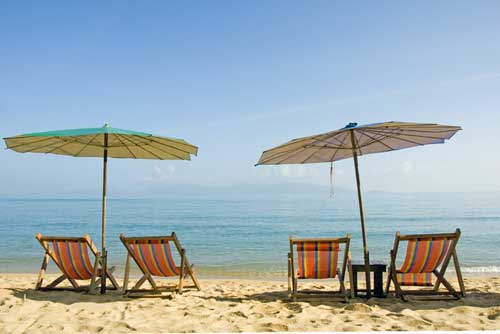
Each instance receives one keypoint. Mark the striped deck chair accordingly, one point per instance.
(318, 259)
(153, 256)
(72, 257)
(427, 255)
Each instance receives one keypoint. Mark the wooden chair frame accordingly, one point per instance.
(440, 279)
(49, 254)
(346, 266)
(185, 269)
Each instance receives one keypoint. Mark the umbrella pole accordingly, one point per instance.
(366, 253)
(104, 254)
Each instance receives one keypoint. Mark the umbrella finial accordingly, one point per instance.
(351, 125)
(106, 125)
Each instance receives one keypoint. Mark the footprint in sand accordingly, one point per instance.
(296, 308)
(239, 314)
(270, 327)
(419, 323)
(358, 307)
(257, 315)
(493, 315)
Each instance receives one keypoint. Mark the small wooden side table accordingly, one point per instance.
(378, 285)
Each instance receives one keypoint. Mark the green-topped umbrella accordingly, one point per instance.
(103, 142)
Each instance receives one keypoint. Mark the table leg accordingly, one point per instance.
(355, 282)
(378, 284)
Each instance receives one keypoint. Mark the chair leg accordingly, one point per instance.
(181, 276)
(41, 274)
(388, 282)
(56, 282)
(189, 269)
(127, 273)
(342, 286)
(289, 274)
(294, 293)
(94, 274)
(447, 284)
(459, 274)
(397, 287)
(140, 282)
(73, 283)
(113, 280)
(152, 282)
(351, 276)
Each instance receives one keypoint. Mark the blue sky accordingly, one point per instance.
(236, 78)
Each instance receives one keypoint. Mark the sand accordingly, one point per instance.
(235, 306)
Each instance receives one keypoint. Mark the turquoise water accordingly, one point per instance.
(248, 235)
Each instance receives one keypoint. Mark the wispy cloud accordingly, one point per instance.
(161, 173)
(407, 167)
(431, 85)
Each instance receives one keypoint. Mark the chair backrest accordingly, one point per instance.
(424, 254)
(153, 255)
(318, 258)
(70, 254)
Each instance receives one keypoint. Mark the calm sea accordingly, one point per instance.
(248, 236)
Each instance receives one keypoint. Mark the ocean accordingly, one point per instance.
(247, 236)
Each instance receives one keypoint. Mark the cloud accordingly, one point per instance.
(397, 91)
(284, 171)
(164, 173)
(407, 167)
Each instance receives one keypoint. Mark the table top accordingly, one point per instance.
(373, 266)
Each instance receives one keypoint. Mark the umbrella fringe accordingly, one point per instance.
(331, 179)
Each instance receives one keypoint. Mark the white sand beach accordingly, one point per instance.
(236, 306)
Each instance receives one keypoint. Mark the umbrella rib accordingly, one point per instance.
(138, 145)
(280, 154)
(60, 147)
(301, 148)
(85, 146)
(356, 143)
(418, 128)
(341, 143)
(167, 145)
(125, 145)
(159, 139)
(169, 153)
(406, 140)
(43, 146)
(313, 153)
(311, 145)
(378, 131)
(332, 148)
(32, 142)
(114, 136)
(376, 140)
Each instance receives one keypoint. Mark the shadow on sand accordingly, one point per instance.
(474, 298)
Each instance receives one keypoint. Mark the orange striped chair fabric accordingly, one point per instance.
(317, 259)
(423, 256)
(154, 257)
(72, 257)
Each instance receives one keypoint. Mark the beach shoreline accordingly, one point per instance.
(236, 305)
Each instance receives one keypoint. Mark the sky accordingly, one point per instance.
(236, 78)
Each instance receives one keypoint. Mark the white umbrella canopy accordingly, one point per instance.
(353, 141)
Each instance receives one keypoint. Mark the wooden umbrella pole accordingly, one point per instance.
(366, 254)
(104, 252)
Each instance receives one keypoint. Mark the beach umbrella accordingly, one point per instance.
(353, 141)
(103, 143)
